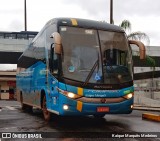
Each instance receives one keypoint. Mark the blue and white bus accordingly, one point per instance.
(78, 67)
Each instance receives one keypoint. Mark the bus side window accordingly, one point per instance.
(55, 64)
(53, 61)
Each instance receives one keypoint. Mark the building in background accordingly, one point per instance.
(147, 78)
(12, 44)
(7, 84)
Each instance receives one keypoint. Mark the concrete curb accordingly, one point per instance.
(142, 108)
(152, 117)
(148, 116)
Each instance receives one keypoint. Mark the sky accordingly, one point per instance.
(144, 15)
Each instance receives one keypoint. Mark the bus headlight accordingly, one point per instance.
(72, 95)
(128, 96)
(69, 94)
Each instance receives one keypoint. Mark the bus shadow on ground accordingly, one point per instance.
(78, 123)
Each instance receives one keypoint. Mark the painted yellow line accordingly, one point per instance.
(149, 116)
(10, 108)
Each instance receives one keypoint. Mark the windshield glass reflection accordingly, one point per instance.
(80, 53)
(117, 57)
(84, 61)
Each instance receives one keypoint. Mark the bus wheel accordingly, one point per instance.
(46, 113)
(99, 116)
(29, 108)
(23, 106)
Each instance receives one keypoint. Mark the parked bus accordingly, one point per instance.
(78, 67)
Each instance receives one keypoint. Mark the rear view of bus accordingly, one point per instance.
(86, 69)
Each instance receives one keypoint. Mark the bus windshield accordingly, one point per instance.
(117, 57)
(93, 56)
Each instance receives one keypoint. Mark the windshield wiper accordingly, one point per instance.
(91, 72)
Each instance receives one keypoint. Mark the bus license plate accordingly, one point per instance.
(102, 109)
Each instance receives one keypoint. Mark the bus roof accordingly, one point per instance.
(85, 23)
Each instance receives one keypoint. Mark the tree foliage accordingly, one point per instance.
(139, 36)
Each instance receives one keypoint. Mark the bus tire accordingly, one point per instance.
(46, 113)
(99, 116)
(29, 108)
(23, 106)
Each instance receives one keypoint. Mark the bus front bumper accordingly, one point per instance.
(73, 107)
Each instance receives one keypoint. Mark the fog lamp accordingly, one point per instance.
(65, 107)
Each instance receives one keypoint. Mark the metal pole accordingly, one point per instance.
(111, 11)
(25, 15)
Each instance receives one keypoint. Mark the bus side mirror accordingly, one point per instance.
(57, 42)
(141, 46)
